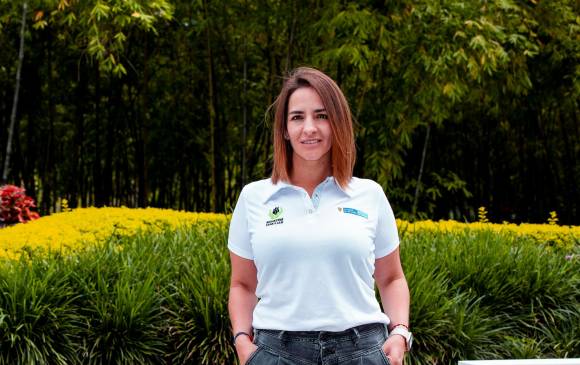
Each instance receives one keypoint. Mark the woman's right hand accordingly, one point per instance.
(245, 348)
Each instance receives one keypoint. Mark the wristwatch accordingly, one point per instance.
(402, 331)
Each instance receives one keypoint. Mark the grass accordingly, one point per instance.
(161, 298)
(481, 295)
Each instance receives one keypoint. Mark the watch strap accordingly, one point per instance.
(241, 333)
(403, 332)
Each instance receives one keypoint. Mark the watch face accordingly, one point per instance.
(410, 342)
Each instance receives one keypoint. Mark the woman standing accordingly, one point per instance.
(308, 245)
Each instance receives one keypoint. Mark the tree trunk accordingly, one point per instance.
(16, 94)
(245, 114)
(110, 138)
(216, 132)
(423, 155)
(97, 169)
(570, 193)
(291, 39)
(143, 193)
(48, 175)
(32, 159)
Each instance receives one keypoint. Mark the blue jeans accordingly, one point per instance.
(355, 346)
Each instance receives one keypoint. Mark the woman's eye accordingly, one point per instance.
(296, 117)
(322, 116)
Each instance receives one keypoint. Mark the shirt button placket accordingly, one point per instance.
(308, 203)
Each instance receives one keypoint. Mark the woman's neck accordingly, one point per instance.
(309, 174)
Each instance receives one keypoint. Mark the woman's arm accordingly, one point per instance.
(241, 303)
(394, 292)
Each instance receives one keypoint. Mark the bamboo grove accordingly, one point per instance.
(459, 104)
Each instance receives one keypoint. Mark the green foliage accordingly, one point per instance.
(97, 27)
(131, 89)
(38, 320)
(489, 296)
(199, 326)
(120, 306)
(162, 299)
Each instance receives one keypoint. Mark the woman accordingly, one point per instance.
(311, 242)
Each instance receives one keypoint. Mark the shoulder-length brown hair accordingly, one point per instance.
(343, 151)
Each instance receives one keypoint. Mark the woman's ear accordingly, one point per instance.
(286, 136)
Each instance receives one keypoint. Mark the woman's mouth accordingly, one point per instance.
(310, 141)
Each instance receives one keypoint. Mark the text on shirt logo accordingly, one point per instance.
(360, 213)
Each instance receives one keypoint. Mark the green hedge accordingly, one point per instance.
(162, 299)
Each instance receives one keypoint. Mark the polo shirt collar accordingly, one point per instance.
(282, 185)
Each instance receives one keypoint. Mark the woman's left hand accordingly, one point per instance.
(394, 348)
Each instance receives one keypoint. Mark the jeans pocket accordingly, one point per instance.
(385, 358)
(253, 356)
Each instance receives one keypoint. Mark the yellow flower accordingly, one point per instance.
(549, 234)
(482, 214)
(553, 219)
(74, 230)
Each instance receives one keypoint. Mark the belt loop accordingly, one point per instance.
(282, 338)
(355, 339)
(320, 347)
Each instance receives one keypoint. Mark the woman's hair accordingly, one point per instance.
(342, 152)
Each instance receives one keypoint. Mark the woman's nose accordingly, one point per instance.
(309, 126)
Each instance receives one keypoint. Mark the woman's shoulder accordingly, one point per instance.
(357, 184)
(258, 188)
(259, 184)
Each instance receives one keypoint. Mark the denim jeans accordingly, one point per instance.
(360, 345)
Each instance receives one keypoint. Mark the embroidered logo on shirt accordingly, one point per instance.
(276, 213)
(360, 213)
(275, 216)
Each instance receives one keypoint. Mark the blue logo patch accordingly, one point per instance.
(360, 213)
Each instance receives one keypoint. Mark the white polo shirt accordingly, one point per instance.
(314, 256)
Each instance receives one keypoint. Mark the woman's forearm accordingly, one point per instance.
(396, 300)
(241, 305)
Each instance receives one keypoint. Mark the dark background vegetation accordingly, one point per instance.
(163, 102)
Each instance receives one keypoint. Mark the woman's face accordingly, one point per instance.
(308, 126)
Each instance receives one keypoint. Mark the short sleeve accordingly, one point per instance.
(386, 238)
(239, 235)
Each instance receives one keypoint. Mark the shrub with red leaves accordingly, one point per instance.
(15, 206)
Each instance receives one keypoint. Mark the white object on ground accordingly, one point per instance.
(522, 362)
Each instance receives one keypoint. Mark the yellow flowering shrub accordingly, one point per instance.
(550, 234)
(73, 230)
(76, 229)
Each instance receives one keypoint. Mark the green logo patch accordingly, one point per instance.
(276, 213)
